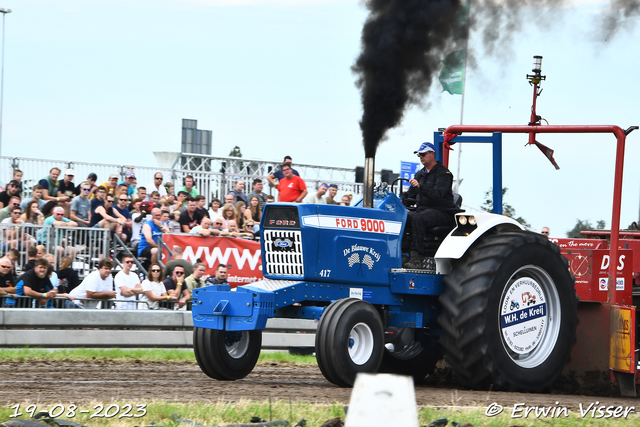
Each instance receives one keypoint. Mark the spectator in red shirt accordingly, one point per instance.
(291, 188)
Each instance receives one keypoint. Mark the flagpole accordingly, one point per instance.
(464, 80)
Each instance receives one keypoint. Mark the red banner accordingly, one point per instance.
(242, 257)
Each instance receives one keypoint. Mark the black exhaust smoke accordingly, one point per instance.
(403, 42)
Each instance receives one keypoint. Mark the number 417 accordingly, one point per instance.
(325, 273)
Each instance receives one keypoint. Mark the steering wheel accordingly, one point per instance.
(393, 184)
(409, 203)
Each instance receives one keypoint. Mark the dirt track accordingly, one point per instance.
(105, 381)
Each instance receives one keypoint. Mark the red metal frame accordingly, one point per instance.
(617, 185)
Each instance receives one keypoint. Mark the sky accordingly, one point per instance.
(110, 81)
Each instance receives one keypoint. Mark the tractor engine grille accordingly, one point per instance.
(283, 252)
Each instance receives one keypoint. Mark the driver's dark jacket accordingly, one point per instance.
(435, 188)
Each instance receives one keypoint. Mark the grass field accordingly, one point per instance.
(224, 413)
(215, 413)
(23, 354)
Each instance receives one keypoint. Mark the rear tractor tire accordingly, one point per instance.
(349, 340)
(509, 313)
(225, 355)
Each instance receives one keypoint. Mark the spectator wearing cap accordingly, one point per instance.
(111, 184)
(318, 197)
(431, 187)
(333, 190)
(291, 188)
(81, 206)
(66, 190)
(129, 181)
(156, 185)
(12, 190)
(189, 188)
(278, 174)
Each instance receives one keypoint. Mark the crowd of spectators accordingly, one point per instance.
(40, 285)
(124, 207)
(138, 215)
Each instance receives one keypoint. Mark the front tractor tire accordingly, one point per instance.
(349, 339)
(509, 313)
(224, 355)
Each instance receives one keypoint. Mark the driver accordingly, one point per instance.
(431, 187)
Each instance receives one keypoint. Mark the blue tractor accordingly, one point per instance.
(343, 266)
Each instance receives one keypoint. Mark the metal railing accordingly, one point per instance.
(213, 176)
(85, 246)
(22, 301)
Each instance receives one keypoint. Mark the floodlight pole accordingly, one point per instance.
(4, 14)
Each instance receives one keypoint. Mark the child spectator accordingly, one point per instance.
(214, 209)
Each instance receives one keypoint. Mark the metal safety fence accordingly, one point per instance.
(85, 246)
(213, 176)
(21, 301)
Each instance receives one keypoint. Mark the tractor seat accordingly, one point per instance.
(435, 235)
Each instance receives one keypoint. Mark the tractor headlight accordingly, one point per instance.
(466, 225)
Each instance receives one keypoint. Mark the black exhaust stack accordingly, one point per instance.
(369, 174)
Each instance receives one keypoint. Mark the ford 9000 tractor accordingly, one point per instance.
(500, 305)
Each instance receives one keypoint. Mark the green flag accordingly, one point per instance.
(452, 74)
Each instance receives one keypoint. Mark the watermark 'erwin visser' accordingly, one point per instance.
(591, 410)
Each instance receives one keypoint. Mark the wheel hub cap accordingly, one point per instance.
(528, 318)
(361, 344)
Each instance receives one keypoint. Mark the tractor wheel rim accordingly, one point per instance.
(361, 343)
(529, 317)
(240, 347)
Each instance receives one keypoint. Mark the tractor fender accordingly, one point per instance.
(456, 244)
